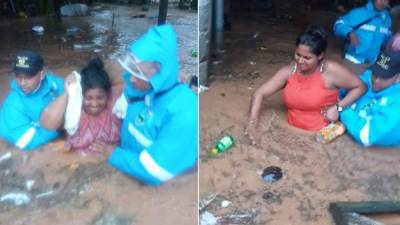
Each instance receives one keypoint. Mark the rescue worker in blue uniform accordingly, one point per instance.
(374, 118)
(159, 132)
(32, 89)
(366, 29)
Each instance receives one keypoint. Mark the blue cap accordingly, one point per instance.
(28, 62)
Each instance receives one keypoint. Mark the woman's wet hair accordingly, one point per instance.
(315, 38)
(94, 76)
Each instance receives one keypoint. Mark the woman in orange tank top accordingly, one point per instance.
(310, 86)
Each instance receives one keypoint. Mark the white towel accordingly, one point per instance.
(74, 105)
(120, 107)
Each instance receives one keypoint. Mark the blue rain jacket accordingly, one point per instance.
(374, 118)
(371, 35)
(20, 113)
(159, 132)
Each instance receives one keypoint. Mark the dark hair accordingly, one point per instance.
(94, 76)
(314, 37)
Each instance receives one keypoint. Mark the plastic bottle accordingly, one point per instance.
(329, 133)
(222, 145)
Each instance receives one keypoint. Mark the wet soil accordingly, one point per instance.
(314, 175)
(49, 186)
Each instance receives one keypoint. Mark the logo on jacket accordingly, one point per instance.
(140, 118)
(143, 116)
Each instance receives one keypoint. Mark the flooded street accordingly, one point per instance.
(314, 175)
(106, 32)
(50, 186)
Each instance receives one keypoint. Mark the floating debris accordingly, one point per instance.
(208, 219)
(239, 218)
(357, 219)
(138, 16)
(217, 62)
(202, 88)
(45, 194)
(17, 198)
(223, 144)
(74, 166)
(29, 184)
(5, 156)
(107, 218)
(225, 203)
(194, 81)
(268, 195)
(272, 174)
(73, 30)
(38, 29)
(83, 46)
(194, 53)
(206, 201)
(74, 10)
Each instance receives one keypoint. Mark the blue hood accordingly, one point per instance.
(370, 6)
(158, 44)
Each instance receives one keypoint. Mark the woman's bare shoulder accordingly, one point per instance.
(335, 68)
(286, 70)
(332, 65)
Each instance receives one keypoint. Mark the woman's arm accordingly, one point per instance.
(52, 117)
(270, 87)
(341, 77)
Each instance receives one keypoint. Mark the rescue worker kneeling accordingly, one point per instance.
(159, 131)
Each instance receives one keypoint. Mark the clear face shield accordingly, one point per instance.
(131, 64)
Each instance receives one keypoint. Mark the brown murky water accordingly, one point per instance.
(106, 33)
(49, 186)
(314, 175)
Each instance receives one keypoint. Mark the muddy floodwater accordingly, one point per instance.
(314, 175)
(50, 186)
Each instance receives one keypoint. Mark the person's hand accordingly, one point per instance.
(96, 146)
(251, 132)
(353, 38)
(108, 149)
(331, 113)
(102, 148)
(70, 79)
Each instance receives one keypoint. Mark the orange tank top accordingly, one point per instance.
(306, 97)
